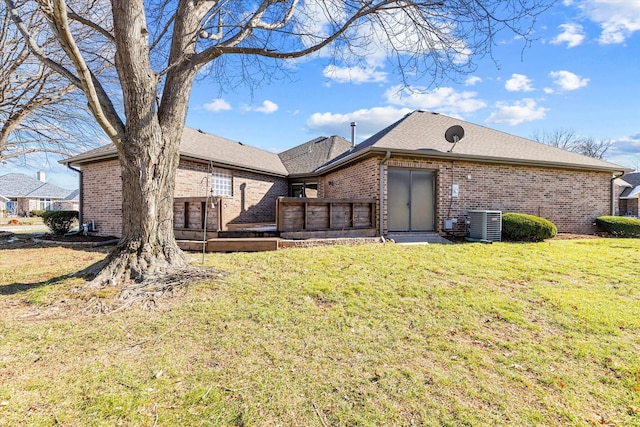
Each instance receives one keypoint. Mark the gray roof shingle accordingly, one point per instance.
(633, 179)
(205, 147)
(422, 133)
(15, 185)
(307, 157)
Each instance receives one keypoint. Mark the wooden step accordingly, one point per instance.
(193, 234)
(231, 245)
(190, 245)
(247, 234)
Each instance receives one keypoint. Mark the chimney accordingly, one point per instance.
(41, 176)
(353, 134)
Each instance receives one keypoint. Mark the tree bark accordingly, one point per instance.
(149, 156)
(148, 248)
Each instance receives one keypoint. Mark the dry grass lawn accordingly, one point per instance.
(467, 334)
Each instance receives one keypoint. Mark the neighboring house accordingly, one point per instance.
(629, 199)
(20, 194)
(69, 203)
(423, 179)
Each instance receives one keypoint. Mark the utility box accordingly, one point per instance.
(485, 225)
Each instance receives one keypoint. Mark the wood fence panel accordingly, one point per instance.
(308, 217)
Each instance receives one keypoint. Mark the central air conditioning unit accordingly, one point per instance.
(485, 225)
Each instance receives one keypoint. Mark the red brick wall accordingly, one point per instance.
(254, 195)
(102, 197)
(254, 198)
(569, 198)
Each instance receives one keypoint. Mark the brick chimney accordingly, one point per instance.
(41, 176)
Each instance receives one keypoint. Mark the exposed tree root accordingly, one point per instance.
(144, 275)
(148, 293)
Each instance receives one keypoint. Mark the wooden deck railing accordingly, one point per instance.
(303, 218)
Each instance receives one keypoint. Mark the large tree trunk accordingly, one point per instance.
(148, 248)
(149, 154)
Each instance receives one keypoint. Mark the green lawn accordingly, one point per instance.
(467, 334)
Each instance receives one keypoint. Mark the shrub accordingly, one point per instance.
(521, 227)
(60, 222)
(37, 212)
(619, 226)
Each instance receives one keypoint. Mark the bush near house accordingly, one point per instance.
(60, 222)
(37, 212)
(521, 227)
(619, 226)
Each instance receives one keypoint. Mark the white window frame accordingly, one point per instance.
(44, 204)
(221, 182)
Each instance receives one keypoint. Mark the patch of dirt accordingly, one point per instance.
(570, 236)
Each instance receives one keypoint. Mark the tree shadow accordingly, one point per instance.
(17, 288)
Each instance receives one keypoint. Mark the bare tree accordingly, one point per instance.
(40, 111)
(160, 46)
(591, 147)
(567, 139)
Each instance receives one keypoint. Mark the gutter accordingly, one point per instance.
(613, 193)
(383, 162)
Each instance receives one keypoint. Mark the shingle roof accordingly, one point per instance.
(633, 191)
(14, 185)
(73, 196)
(206, 147)
(307, 157)
(423, 132)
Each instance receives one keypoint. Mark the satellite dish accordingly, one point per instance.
(454, 134)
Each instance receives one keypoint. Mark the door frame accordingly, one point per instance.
(434, 174)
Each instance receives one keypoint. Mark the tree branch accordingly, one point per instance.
(98, 100)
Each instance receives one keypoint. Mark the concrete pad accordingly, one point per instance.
(418, 238)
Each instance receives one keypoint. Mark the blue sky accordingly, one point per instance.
(582, 74)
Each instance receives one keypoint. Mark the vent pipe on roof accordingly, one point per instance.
(353, 134)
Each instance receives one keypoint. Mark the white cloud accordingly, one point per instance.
(443, 99)
(356, 75)
(267, 107)
(619, 19)
(472, 80)
(217, 104)
(572, 35)
(518, 83)
(369, 121)
(525, 110)
(567, 80)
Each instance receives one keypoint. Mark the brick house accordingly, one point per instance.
(245, 183)
(423, 179)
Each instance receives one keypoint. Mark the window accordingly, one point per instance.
(44, 204)
(221, 182)
(304, 189)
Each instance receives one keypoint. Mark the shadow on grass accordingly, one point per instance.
(26, 241)
(16, 288)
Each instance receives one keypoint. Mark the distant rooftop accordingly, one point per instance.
(14, 185)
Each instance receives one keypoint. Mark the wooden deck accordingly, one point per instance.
(309, 218)
(231, 244)
(297, 219)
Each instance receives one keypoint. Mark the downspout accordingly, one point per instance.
(81, 193)
(613, 193)
(383, 162)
